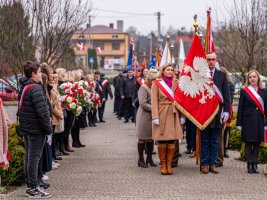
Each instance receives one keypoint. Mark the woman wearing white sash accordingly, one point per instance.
(166, 126)
(143, 121)
(250, 118)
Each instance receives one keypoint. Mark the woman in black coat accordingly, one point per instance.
(251, 118)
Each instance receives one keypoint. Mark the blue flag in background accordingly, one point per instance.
(130, 57)
(152, 63)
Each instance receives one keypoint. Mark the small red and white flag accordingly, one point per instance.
(80, 46)
(6, 159)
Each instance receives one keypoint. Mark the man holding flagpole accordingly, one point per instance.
(209, 136)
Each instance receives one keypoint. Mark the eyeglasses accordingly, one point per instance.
(211, 59)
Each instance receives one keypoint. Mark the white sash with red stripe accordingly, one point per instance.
(256, 98)
(165, 89)
(218, 94)
(104, 83)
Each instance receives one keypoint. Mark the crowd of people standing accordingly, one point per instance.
(46, 124)
(147, 100)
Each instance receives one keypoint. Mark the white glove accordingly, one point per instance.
(182, 120)
(155, 121)
(49, 139)
(265, 128)
(239, 128)
(133, 105)
(104, 99)
(225, 117)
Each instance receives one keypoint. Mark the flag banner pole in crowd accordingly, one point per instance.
(209, 43)
(166, 56)
(181, 55)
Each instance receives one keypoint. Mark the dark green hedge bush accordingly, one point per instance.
(14, 176)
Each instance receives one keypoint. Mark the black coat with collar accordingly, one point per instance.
(250, 118)
(221, 82)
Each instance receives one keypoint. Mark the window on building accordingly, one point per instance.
(99, 44)
(116, 46)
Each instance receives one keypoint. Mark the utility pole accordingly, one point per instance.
(159, 32)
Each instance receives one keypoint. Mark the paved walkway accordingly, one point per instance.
(107, 169)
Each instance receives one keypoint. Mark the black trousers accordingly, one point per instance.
(117, 104)
(69, 118)
(34, 145)
(101, 110)
(128, 109)
(252, 150)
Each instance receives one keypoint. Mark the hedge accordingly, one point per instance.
(14, 176)
(235, 143)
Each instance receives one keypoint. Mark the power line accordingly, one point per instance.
(121, 12)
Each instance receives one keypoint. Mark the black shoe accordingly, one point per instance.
(255, 168)
(58, 158)
(36, 193)
(188, 151)
(119, 118)
(126, 121)
(75, 145)
(64, 153)
(103, 121)
(180, 155)
(94, 125)
(142, 164)
(174, 165)
(250, 167)
(133, 120)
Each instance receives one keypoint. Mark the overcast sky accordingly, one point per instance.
(176, 13)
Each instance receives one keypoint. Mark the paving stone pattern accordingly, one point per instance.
(107, 169)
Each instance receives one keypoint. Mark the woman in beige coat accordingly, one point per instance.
(143, 121)
(166, 127)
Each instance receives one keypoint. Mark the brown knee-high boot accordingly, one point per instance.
(162, 150)
(170, 153)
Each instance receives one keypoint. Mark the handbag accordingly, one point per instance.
(18, 131)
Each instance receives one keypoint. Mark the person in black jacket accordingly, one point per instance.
(127, 94)
(35, 124)
(106, 90)
(209, 136)
(116, 85)
(251, 118)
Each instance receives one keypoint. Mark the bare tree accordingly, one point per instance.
(242, 40)
(38, 29)
(53, 23)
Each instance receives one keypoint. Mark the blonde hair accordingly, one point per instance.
(69, 77)
(162, 68)
(77, 75)
(152, 73)
(228, 77)
(260, 84)
(61, 72)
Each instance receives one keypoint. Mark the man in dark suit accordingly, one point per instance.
(127, 94)
(116, 85)
(209, 136)
(106, 90)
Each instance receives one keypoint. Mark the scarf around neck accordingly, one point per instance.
(167, 80)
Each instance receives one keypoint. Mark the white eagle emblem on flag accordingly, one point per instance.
(199, 83)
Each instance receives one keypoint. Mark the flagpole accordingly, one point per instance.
(198, 135)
